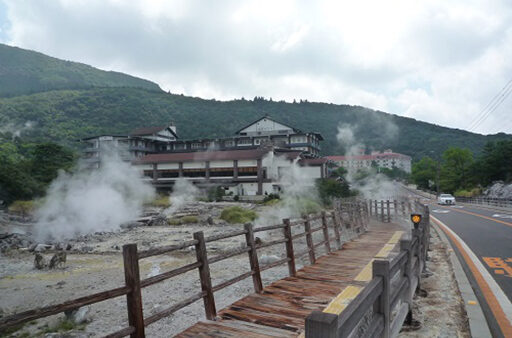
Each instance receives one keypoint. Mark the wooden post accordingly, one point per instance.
(403, 208)
(336, 229)
(382, 211)
(134, 297)
(370, 203)
(405, 245)
(388, 211)
(395, 206)
(204, 276)
(309, 239)
(326, 232)
(321, 325)
(376, 210)
(253, 258)
(381, 268)
(289, 247)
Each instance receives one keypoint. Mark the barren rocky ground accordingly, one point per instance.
(94, 263)
(441, 313)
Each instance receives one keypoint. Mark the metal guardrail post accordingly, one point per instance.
(134, 297)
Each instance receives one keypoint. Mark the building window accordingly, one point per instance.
(196, 145)
(229, 143)
(245, 142)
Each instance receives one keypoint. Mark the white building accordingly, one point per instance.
(385, 159)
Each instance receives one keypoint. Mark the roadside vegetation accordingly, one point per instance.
(238, 214)
(27, 169)
(460, 173)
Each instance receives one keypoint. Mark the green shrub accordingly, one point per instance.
(160, 201)
(189, 219)
(468, 193)
(174, 221)
(235, 214)
(271, 197)
(22, 208)
(307, 206)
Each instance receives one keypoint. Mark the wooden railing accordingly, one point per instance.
(348, 219)
(386, 210)
(381, 308)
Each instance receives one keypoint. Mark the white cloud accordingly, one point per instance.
(433, 60)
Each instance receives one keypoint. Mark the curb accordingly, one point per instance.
(478, 326)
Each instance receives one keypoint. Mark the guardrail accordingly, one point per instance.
(381, 308)
(350, 218)
(385, 210)
(498, 202)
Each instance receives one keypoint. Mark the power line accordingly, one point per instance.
(486, 109)
(492, 106)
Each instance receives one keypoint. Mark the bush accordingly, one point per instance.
(307, 206)
(468, 193)
(160, 201)
(216, 194)
(183, 220)
(271, 197)
(234, 215)
(174, 221)
(189, 219)
(236, 198)
(22, 208)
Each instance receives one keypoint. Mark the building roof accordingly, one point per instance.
(150, 131)
(268, 117)
(251, 154)
(367, 157)
(101, 135)
(313, 161)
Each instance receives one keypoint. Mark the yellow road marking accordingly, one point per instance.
(338, 304)
(384, 252)
(365, 274)
(396, 237)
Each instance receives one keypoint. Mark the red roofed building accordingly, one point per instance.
(385, 159)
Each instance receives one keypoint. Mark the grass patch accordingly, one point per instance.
(307, 206)
(272, 202)
(235, 214)
(183, 220)
(23, 208)
(64, 326)
(160, 201)
(189, 219)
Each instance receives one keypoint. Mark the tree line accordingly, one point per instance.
(459, 172)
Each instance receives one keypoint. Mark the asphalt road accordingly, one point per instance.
(488, 234)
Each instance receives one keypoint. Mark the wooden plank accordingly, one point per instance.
(204, 276)
(134, 297)
(253, 258)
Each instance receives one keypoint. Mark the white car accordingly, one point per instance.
(446, 199)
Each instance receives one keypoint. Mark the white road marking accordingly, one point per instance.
(458, 206)
(501, 216)
(502, 299)
(441, 211)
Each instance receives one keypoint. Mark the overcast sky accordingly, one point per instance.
(439, 61)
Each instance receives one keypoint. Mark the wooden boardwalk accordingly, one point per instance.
(328, 285)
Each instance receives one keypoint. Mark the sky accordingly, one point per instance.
(440, 61)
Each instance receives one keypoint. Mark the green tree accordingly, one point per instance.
(423, 172)
(455, 172)
(47, 159)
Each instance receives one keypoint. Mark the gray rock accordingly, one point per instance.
(86, 248)
(130, 225)
(78, 316)
(267, 259)
(42, 247)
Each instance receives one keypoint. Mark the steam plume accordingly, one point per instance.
(87, 201)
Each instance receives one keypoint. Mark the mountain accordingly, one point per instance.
(25, 72)
(67, 115)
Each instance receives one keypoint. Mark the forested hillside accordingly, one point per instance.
(67, 115)
(24, 72)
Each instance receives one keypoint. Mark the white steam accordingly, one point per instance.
(298, 190)
(87, 201)
(183, 193)
(17, 129)
(367, 181)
